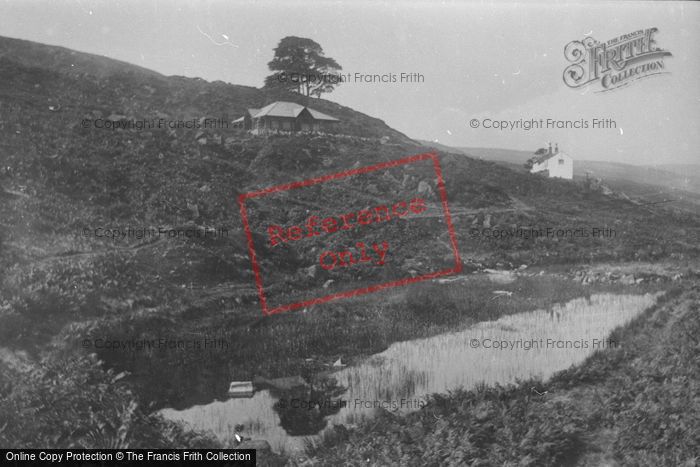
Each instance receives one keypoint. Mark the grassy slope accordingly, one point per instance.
(680, 183)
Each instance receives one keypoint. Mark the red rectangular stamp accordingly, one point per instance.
(349, 233)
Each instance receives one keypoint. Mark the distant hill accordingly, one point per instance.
(683, 177)
(661, 176)
(512, 157)
(692, 170)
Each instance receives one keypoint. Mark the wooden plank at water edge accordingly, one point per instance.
(241, 389)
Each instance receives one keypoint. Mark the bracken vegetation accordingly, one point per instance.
(633, 405)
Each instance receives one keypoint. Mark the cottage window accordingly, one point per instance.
(274, 124)
(287, 125)
(561, 161)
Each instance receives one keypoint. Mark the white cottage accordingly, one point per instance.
(557, 164)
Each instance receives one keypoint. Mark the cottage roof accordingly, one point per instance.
(288, 109)
(546, 156)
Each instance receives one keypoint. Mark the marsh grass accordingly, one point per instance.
(297, 342)
(632, 405)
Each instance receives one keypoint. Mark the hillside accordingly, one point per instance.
(679, 169)
(85, 85)
(510, 157)
(646, 184)
(644, 175)
(61, 179)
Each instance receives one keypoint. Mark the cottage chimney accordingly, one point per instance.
(556, 148)
(550, 149)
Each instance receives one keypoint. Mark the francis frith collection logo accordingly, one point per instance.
(616, 63)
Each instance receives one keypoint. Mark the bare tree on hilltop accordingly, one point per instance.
(299, 65)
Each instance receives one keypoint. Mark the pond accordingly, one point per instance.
(531, 344)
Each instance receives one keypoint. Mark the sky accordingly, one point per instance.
(479, 61)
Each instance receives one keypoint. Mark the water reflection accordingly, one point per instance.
(303, 410)
(536, 343)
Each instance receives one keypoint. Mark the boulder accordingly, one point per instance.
(424, 188)
(627, 279)
(338, 363)
(311, 271)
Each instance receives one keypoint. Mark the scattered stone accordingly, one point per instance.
(120, 376)
(338, 363)
(193, 208)
(424, 188)
(311, 271)
(413, 434)
(627, 279)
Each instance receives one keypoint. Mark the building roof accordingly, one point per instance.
(288, 109)
(546, 156)
(543, 157)
(321, 116)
